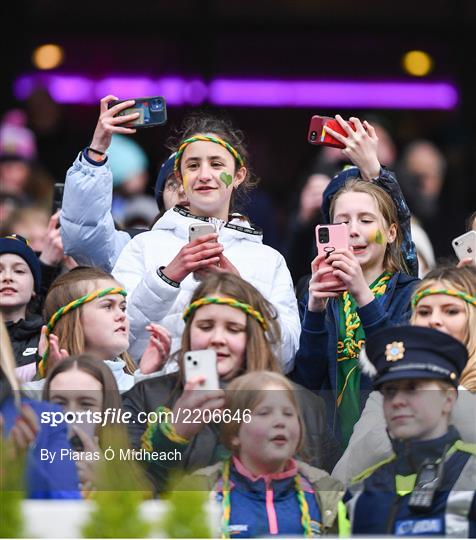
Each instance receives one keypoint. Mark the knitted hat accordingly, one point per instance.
(16, 140)
(19, 246)
(166, 169)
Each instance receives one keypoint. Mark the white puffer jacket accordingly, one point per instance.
(152, 299)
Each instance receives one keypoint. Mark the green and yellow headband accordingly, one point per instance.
(65, 309)
(449, 292)
(217, 140)
(232, 302)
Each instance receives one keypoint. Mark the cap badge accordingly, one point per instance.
(394, 351)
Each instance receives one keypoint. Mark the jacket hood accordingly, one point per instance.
(178, 219)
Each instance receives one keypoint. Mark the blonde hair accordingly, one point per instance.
(393, 260)
(461, 279)
(69, 328)
(259, 353)
(246, 393)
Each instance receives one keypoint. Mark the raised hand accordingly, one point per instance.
(360, 146)
(157, 350)
(53, 252)
(109, 124)
(55, 354)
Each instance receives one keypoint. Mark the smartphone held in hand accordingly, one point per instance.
(57, 197)
(330, 238)
(317, 133)
(195, 230)
(152, 112)
(465, 246)
(202, 364)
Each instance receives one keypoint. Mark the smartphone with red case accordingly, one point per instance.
(317, 133)
(330, 238)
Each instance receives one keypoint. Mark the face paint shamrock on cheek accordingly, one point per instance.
(226, 179)
(376, 237)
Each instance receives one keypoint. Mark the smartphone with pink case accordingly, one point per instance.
(330, 238)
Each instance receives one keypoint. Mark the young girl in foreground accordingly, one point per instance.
(160, 268)
(378, 290)
(263, 490)
(86, 313)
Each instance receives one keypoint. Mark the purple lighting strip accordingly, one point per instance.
(247, 93)
(342, 94)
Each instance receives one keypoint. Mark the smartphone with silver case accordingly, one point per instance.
(465, 246)
(202, 363)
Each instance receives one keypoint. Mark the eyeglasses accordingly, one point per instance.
(172, 185)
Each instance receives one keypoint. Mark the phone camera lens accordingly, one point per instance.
(195, 363)
(189, 357)
(156, 105)
(324, 235)
(313, 135)
(456, 243)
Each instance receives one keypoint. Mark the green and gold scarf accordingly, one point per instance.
(349, 343)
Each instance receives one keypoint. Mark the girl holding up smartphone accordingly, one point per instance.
(229, 316)
(375, 274)
(157, 267)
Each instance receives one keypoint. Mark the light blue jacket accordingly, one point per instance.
(87, 227)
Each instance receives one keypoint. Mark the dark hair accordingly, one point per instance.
(203, 122)
(469, 221)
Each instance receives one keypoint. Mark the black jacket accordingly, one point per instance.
(25, 335)
(320, 446)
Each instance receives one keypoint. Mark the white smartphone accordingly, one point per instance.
(202, 364)
(195, 230)
(465, 246)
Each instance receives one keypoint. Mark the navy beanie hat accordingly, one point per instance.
(19, 246)
(166, 169)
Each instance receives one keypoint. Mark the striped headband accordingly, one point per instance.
(449, 292)
(217, 140)
(232, 302)
(67, 308)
